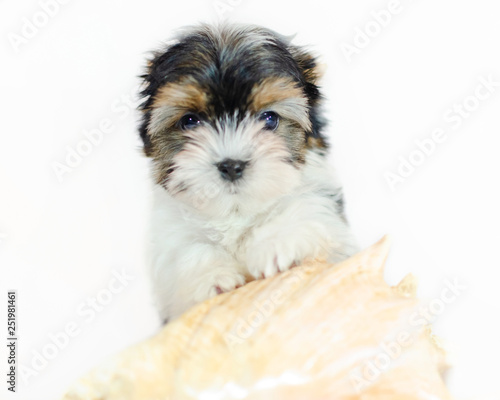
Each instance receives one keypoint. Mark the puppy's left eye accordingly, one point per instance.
(189, 121)
(271, 120)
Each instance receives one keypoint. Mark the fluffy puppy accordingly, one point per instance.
(232, 125)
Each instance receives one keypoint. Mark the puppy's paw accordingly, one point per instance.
(217, 281)
(267, 258)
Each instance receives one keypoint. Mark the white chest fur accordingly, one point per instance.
(195, 256)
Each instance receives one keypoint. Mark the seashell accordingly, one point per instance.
(317, 331)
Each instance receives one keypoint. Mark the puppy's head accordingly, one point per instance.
(228, 116)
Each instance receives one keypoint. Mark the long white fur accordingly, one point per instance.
(208, 233)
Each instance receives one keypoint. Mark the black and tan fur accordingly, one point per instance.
(227, 73)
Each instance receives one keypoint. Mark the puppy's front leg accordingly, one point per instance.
(305, 227)
(199, 273)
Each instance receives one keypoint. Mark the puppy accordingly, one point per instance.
(231, 123)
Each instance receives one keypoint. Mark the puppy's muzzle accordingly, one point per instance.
(231, 170)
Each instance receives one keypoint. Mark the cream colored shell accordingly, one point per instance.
(318, 331)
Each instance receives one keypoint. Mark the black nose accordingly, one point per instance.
(231, 169)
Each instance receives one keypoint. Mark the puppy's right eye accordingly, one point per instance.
(189, 121)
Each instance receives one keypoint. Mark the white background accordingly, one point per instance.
(60, 241)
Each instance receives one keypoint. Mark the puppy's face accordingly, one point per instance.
(228, 117)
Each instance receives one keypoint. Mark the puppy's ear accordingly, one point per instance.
(154, 76)
(309, 65)
(149, 87)
(312, 71)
